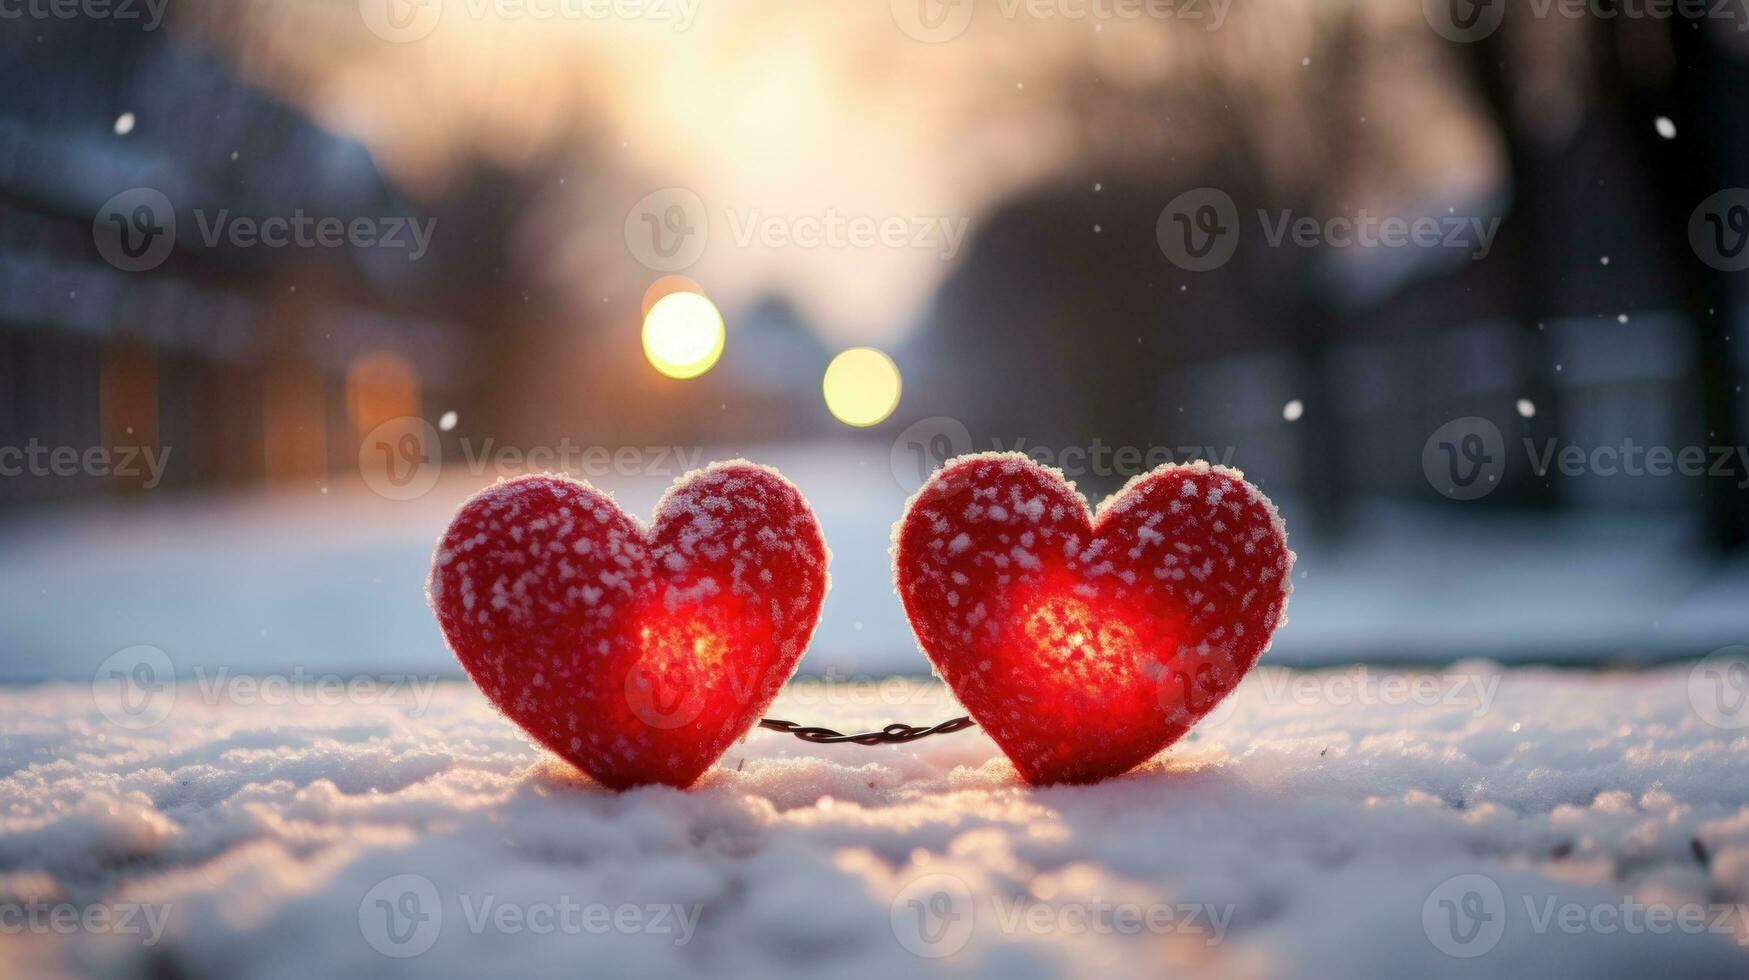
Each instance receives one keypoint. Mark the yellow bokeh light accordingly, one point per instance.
(862, 386)
(683, 335)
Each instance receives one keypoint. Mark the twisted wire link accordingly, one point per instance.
(891, 735)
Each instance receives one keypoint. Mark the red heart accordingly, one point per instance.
(1085, 644)
(639, 656)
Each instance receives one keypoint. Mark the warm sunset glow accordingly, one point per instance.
(862, 386)
(683, 335)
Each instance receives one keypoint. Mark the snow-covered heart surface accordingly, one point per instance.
(1086, 643)
(637, 655)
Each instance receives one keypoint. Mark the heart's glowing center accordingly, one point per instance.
(680, 646)
(1080, 645)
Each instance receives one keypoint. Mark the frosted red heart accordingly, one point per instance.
(637, 655)
(1084, 644)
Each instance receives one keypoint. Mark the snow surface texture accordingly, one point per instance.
(1313, 828)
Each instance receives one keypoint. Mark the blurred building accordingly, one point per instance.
(246, 364)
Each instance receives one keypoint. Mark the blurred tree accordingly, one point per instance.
(1527, 240)
(1678, 68)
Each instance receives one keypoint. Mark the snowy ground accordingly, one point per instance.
(1466, 823)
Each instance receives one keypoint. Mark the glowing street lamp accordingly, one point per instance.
(683, 335)
(862, 386)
